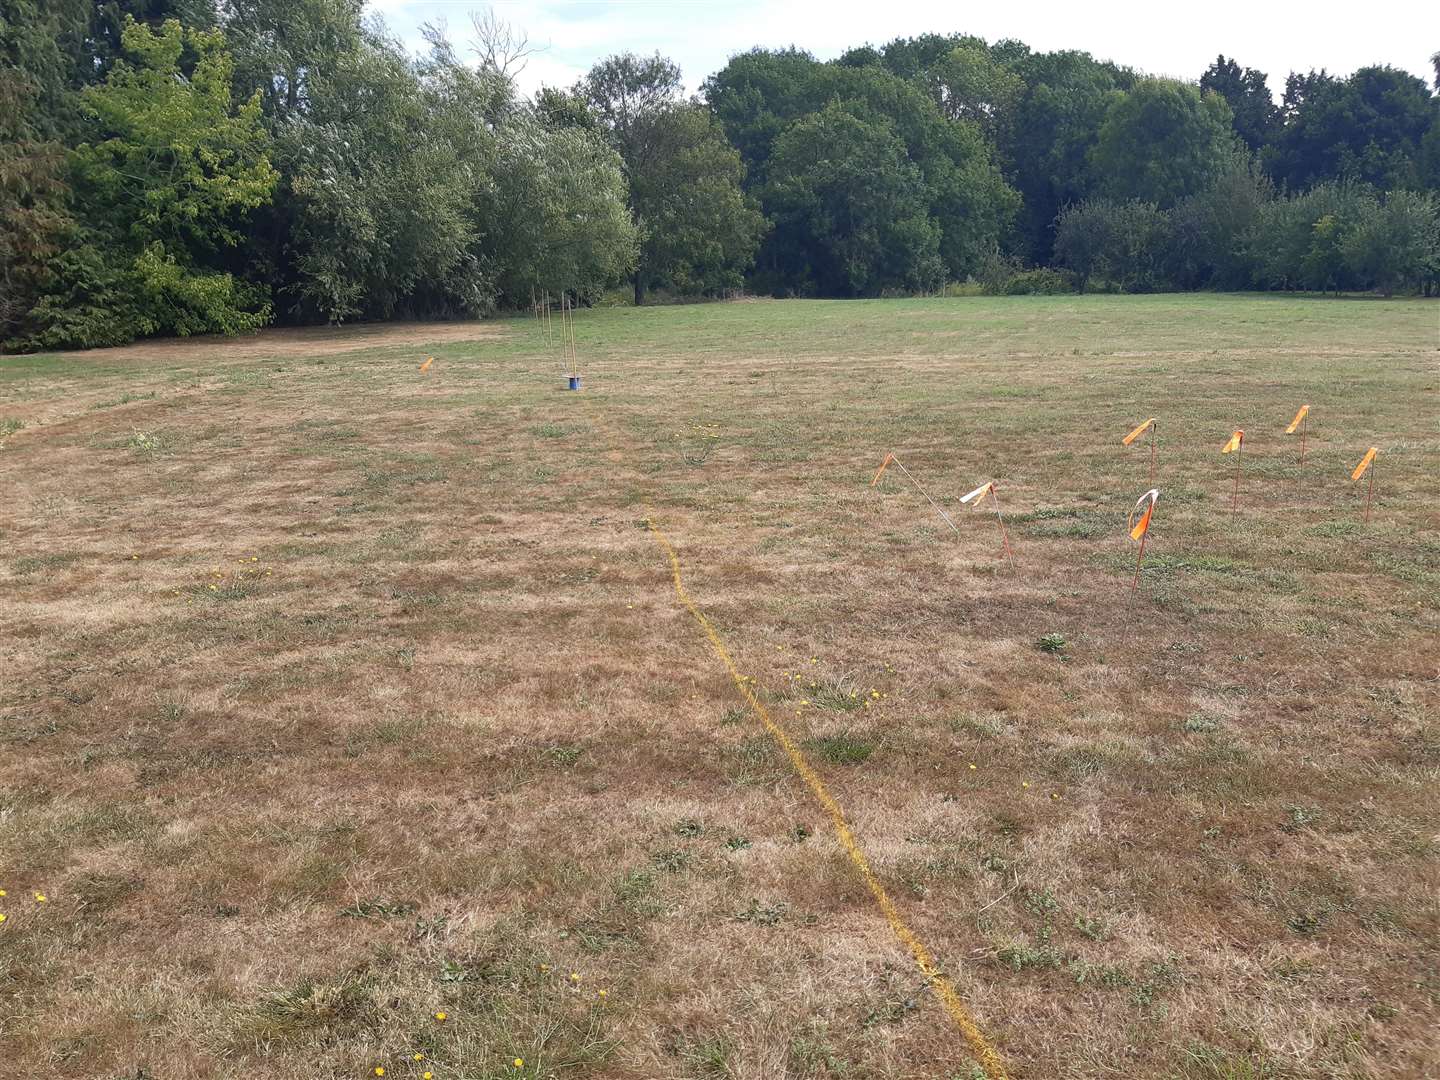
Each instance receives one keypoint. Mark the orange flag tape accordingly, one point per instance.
(1142, 525)
(883, 466)
(1304, 411)
(1128, 439)
(1236, 441)
(1365, 463)
(1139, 528)
(426, 365)
(979, 493)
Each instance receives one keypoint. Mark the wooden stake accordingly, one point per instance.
(1235, 495)
(1139, 558)
(1004, 534)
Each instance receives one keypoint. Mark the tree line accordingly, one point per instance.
(208, 166)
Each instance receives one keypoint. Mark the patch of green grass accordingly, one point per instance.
(843, 749)
(149, 443)
(709, 1058)
(1069, 523)
(378, 908)
(763, 914)
(1054, 643)
(30, 564)
(561, 756)
(1023, 955)
(837, 697)
(980, 725)
(309, 1011)
(124, 399)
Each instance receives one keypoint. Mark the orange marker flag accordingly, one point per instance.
(1360, 470)
(1142, 526)
(883, 466)
(426, 365)
(1237, 440)
(979, 493)
(1304, 412)
(1140, 530)
(1128, 439)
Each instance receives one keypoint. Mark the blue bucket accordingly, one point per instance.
(574, 382)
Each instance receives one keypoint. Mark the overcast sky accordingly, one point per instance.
(1162, 39)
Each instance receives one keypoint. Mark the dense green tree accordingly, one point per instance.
(37, 109)
(280, 45)
(1395, 242)
(558, 220)
(384, 206)
(966, 78)
(698, 231)
(1209, 230)
(1285, 248)
(1048, 142)
(564, 108)
(1245, 90)
(973, 85)
(1368, 128)
(1160, 141)
(104, 44)
(163, 191)
(626, 92)
(1123, 243)
(851, 208)
(759, 96)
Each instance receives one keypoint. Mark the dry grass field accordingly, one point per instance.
(336, 697)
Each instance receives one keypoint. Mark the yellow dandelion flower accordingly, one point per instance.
(574, 976)
(604, 994)
(3, 916)
(544, 968)
(418, 1057)
(2, 892)
(427, 1076)
(40, 898)
(1024, 783)
(379, 1070)
(440, 1017)
(519, 1063)
(972, 765)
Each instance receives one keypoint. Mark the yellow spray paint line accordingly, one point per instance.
(943, 988)
(941, 985)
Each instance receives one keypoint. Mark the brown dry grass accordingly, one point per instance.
(334, 695)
